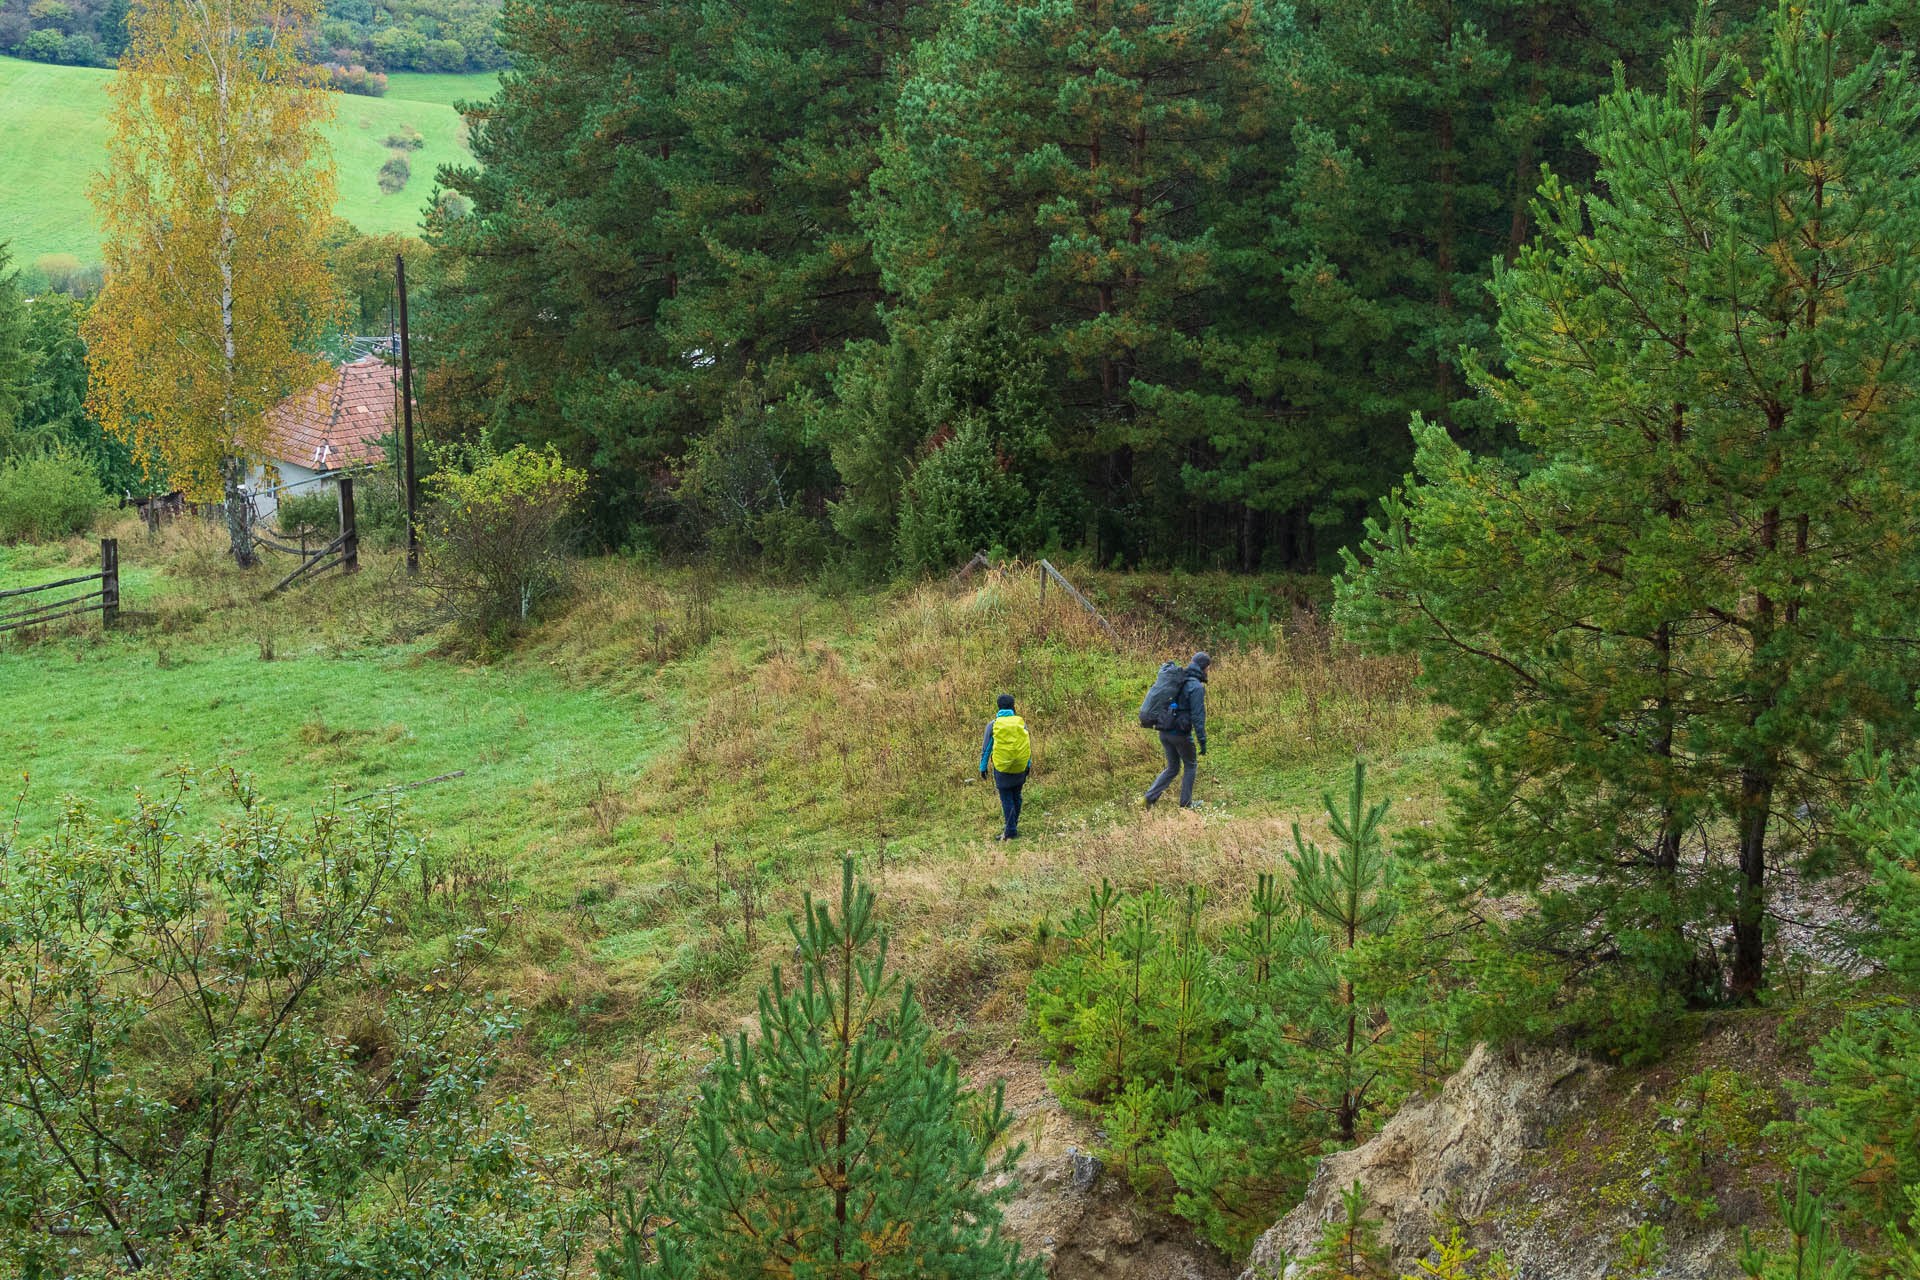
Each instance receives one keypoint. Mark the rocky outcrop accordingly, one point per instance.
(1453, 1155)
(1082, 1220)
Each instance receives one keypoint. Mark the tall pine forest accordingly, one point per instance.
(887, 282)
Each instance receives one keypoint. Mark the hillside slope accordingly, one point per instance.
(53, 140)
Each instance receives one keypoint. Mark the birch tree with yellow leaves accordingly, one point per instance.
(217, 188)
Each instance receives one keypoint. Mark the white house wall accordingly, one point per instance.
(293, 479)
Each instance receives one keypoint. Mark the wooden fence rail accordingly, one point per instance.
(343, 550)
(106, 600)
(981, 560)
(1048, 571)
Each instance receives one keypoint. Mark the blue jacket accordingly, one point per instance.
(1193, 697)
(986, 747)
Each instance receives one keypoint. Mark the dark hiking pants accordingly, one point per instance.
(1010, 785)
(1179, 748)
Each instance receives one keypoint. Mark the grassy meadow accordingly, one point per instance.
(53, 141)
(660, 770)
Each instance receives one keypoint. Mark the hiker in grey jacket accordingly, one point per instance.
(1179, 744)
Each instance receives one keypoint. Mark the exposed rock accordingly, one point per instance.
(1450, 1155)
(1550, 1159)
(1080, 1218)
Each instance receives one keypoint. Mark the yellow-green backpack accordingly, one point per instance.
(1012, 746)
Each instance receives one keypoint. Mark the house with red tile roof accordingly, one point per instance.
(314, 436)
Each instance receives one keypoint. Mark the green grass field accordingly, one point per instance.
(53, 139)
(427, 86)
(662, 767)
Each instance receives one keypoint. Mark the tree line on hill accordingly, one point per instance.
(403, 35)
(903, 279)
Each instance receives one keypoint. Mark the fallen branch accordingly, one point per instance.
(408, 786)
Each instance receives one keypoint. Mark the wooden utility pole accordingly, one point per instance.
(406, 414)
(349, 529)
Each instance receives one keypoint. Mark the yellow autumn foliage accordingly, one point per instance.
(217, 187)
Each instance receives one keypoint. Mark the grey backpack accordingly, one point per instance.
(1161, 708)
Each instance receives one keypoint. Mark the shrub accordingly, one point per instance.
(182, 1094)
(354, 78)
(44, 45)
(493, 533)
(51, 493)
(740, 482)
(64, 273)
(317, 512)
(376, 508)
(443, 55)
(407, 141)
(395, 173)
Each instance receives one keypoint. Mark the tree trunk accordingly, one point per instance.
(1443, 267)
(1524, 174)
(239, 516)
(1749, 937)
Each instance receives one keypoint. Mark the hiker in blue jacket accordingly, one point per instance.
(1008, 751)
(1178, 743)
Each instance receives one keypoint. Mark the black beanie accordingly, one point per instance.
(1201, 661)
(1006, 702)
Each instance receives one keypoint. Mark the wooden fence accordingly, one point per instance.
(343, 551)
(106, 600)
(981, 560)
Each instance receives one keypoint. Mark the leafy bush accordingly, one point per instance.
(395, 173)
(493, 533)
(44, 45)
(354, 78)
(377, 511)
(318, 513)
(47, 494)
(211, 1064)
(739, 483)
(408, 141)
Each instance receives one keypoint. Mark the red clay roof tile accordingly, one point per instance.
(339, 423)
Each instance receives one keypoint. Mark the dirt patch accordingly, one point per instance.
(1084, 1223)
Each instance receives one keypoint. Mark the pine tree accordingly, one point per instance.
(1343, 898)
(543, 300)
(1081, 162)
(783, 117)
(839, 1145)
(1860, 1124)
(1318, 1044)
(1349, 1247)
(1658, 629)
(1816, 1255)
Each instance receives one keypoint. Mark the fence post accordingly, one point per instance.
(109, 581)
(349, 532)
(1043, 586)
